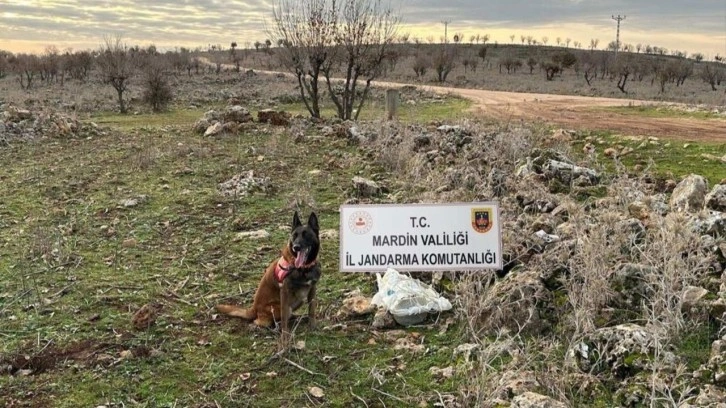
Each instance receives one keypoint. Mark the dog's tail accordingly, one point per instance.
(236, 311)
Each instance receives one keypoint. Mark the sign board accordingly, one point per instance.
(420, 237)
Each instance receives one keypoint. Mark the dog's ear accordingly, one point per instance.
(296, 221)
(313, 222)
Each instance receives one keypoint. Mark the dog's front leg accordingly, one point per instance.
(312, 305)
(285, 312)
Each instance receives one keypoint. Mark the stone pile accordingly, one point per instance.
(17, 124)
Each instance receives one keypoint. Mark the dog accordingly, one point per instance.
(288, 281)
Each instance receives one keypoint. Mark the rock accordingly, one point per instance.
(330, 234)
(517, 302)
(711, 397)
(236, 113)
(273, 117)
(449, 128)
(513, 383)
(639, 210)
(562, 135)
(383, 319)
(693, 296)
(623, 350)
(546, 238)
(566, 173)
(690, 194)
(712, 223)
(356, 305)
(465, 350)
(716, 199)
(534, 400)
(365, 187)
(259, 234)
(243, 184)
(610, 152)
(133, 202)
(201, 126)
(441, 373)
(214, 129)
(714, 371)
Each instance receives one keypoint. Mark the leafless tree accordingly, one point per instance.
(326, 37)
(26, 66)
(117, 67)
(308, 29)
(444, 62)
(593, 43)
(5, 60)
(712, 75)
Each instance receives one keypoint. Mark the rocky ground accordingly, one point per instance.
(613, 291)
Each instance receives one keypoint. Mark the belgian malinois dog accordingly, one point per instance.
(288, 281)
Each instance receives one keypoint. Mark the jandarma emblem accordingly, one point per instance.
(360, 222)
(481, 219)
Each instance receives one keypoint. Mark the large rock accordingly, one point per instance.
(716, 199)
(365, 187)
(236, 113)
(214, 129)
(690, 194)
(243, 184)
(623, 350)
(520, 301)
(273, 117)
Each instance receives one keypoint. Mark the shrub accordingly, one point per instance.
(157, 91)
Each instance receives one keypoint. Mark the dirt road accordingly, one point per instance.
(575, 112)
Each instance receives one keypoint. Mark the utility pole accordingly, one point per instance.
(446, 30)
(619, 18)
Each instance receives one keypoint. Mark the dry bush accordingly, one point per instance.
(157, 91)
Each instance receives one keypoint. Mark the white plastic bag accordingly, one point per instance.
(404, 296)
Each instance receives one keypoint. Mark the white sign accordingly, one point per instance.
(420, 237)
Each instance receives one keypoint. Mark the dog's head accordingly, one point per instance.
(304, 240)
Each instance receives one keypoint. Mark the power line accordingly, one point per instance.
(446, 30)
(619, 18)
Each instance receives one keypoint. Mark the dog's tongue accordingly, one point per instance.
(300, 259)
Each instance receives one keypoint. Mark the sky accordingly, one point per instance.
(685, 25)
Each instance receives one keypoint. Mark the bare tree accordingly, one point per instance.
(323, 36)
(307, 28)
(116, 64)
(444, 62)
(593, 43)
(712, 75)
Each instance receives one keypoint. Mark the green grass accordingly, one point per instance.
(652, 111)
(443, 109)
(173, 117)
(76, 264)
(669, 159)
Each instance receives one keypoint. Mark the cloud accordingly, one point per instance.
(699, 25)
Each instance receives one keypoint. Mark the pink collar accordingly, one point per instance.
(282, 268)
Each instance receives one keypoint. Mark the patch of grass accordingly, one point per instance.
(652, 111)
(77, 262)
(670, 159)
(449, 109)
(172, 117)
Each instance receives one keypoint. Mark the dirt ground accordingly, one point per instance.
(576, 112)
